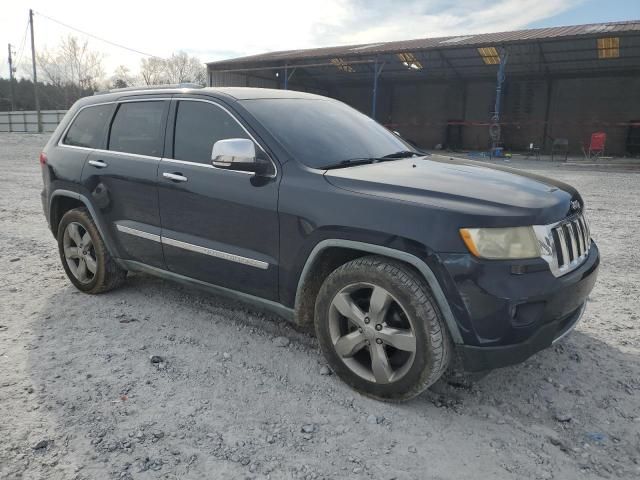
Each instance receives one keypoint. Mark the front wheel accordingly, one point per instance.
(380, 329)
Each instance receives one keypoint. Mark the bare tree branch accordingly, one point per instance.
(152, 71)
(181, 68)
(122, 77)
(72, 64)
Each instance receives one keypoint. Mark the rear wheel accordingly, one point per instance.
(380, 329)
(84, 256)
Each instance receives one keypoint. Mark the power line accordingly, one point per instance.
(22, 44)
(95, 36)
(20, 50)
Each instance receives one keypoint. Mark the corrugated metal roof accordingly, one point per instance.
(439, 43)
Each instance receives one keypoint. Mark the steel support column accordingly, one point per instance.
(286, 77)
(494, 129)
(377, 70)
(547, 109)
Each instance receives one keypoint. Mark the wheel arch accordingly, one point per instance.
(66, 198)
(59, 205)
(319, 264)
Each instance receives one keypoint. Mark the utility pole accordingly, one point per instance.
(35, 74)
(13, 94)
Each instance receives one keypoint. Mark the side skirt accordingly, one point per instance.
(270, 305)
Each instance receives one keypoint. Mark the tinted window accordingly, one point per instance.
(198, 126)
(137, 128)
(323, 132)
(89, 126)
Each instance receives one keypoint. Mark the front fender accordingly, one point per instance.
(403, 256)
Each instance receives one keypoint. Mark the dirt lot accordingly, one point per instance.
(79, 397)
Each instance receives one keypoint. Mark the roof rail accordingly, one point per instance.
(150, 87)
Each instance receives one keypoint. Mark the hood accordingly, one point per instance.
(463, 186)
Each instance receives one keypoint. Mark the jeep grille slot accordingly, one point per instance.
(571, 240)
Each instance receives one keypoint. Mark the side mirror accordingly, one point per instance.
(237, 154)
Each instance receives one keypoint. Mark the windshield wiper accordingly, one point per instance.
(349, 163)
(402, 154)
(367, 160)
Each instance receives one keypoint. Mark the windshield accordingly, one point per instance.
(321, 132)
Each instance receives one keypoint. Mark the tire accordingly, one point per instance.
(79, 242)
(380, 327)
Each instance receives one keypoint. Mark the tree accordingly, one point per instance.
(122, 78)
(72, 67)
(181, 68)
(51, 97)
(153, 71)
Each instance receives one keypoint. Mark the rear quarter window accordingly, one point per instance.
(89, 127)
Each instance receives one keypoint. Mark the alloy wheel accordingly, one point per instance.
(372, 333)
(79, 252)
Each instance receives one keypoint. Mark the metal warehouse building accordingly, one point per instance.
(528, 86)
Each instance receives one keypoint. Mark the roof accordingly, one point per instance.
(498, 38)
(548, 49)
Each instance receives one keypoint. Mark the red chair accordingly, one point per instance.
(596, 145)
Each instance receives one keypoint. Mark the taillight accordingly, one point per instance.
(43, 159)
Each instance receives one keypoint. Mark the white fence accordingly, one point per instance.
(27, 122)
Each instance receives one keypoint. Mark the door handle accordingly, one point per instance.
(176, 177)
(98, 163)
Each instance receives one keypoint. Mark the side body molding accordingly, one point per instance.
(422, 267)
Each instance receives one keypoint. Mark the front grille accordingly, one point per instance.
(571, 242)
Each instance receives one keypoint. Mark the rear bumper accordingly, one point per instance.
(475, 359)
(45, 205)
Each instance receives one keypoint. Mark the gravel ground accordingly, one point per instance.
(243, 394)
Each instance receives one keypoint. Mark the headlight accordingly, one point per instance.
(501, 243)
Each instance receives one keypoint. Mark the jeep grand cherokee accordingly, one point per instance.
(309, 208)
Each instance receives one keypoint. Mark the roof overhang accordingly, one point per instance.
(596, 49)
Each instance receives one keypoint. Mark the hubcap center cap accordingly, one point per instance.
(369, 332)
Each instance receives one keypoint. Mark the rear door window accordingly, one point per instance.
(198, 126)
(137, 128)
(89, 127)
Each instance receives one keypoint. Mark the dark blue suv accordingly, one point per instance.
(309, 208)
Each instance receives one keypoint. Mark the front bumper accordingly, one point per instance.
(475, 359)
(505, 316)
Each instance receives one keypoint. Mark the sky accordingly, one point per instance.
(215, 30)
